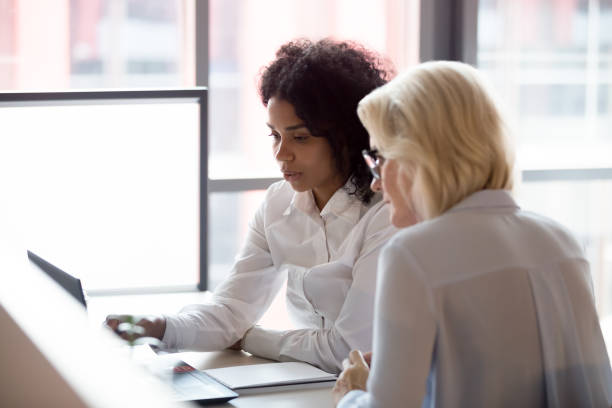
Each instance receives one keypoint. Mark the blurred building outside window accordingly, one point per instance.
(76, 44)
(551, 64)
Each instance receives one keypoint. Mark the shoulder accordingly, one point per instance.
(545, 228)
(423, 232)
(279, 194)
(277, 198)
(280, 189)
(544, 222)
(400, 266)
(374, 228)
(376, 216)
(482, 240)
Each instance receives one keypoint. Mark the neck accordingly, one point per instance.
(321, 199)
(323, 194)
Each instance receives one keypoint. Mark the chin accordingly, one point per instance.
(298, 187)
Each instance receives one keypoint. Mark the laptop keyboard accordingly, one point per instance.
(191, 384)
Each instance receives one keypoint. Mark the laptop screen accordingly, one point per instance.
(71, 284)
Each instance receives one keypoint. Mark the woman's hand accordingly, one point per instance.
(368, 358)
(151, 326)
(354, 376)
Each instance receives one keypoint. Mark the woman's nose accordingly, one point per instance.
(282, 152)
(376, 185)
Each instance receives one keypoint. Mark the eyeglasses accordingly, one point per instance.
(374, 160)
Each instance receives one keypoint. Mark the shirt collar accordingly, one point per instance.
(341, 204)
(303, 201)
(486, 199)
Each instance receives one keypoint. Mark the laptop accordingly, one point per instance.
(71, 284)
(187, 383)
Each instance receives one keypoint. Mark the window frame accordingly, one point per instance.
(450, 32)
(111, 96)
(446, 32)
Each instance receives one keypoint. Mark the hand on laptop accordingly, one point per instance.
(152, 326)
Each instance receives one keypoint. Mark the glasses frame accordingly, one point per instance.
(374, 161)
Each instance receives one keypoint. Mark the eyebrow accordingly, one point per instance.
(289, 128)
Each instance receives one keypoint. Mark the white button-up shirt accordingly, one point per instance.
(329, 260)
(486, 306)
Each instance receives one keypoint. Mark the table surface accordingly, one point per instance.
(319, 396)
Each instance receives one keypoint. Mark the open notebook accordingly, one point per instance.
(269, 375)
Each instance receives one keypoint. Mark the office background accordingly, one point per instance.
(111, 190)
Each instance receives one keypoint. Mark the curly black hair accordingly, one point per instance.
(324, 81)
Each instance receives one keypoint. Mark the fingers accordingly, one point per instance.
(356, 358)
(130, 327)
(346, 363)
(134, 329)
(113, 322)
(368, 358)
(353, 377)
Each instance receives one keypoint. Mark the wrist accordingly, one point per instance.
(244, 336)
(159, 325)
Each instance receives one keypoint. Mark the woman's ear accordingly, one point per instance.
(410, 188)
(405, 175)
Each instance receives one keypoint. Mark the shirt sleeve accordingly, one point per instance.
(352, 329)
(404, 335)
(354, 399)
(236, 304)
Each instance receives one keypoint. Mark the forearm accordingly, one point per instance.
(234, 308)
(205, 327)
(324, 348)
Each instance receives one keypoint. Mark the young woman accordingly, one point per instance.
(480, 304)
(320, 229)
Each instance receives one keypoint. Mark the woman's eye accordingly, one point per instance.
(301, 138)
(274, 136)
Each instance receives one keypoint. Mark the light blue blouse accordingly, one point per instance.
(485, 306)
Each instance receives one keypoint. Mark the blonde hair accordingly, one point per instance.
(441, 124)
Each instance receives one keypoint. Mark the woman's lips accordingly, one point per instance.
(291, 175)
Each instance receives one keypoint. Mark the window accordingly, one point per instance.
(551, 63)
(107, 189)
(244, 35)
(67, 161)
(96, 44)
(122, 44)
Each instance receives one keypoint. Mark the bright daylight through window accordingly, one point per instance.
(551, 63)
(135, 43)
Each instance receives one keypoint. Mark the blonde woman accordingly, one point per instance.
(480, 304)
